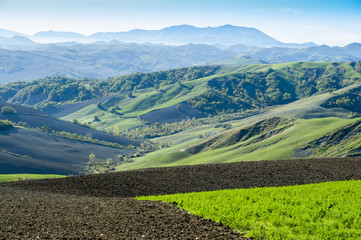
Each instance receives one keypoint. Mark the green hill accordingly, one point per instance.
(285, 140)
(228, 90)
(210, 114)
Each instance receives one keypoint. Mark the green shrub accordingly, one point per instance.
(5, 124)
(8, 110)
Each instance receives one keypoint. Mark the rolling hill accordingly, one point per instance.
(41, 144)
(30, 151)
(208, 114)
(35, 119)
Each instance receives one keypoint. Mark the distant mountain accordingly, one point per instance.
(102, 60)
(56, 34)
(322, 53)
(353, 49)
(9, 33)
(24, 66)
(17, 42)
(184, 34)
(176, 35)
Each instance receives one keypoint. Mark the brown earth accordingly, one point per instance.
(197, 178)
(39, 215)
(100, 207)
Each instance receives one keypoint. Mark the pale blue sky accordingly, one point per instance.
(324, 22)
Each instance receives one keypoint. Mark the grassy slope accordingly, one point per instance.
(314, 211)
(281, 146)
(17, 177)
(149, 99)
(143, 102)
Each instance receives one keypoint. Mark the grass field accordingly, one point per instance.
(315, 211)
(142, 102)
(18, 177)
(280, 146)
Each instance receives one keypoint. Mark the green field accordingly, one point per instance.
(18, 177)
(316, 211)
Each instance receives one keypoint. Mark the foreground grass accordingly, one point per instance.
(17, 177)
(316, 211)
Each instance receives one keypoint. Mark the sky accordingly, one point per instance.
(332, 22)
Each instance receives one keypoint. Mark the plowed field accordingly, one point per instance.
(100, 207)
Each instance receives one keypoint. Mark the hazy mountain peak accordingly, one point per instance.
(58, 34)
(9, 33)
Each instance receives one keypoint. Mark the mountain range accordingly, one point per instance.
(108, 59)
(103, 55)
(174, 35)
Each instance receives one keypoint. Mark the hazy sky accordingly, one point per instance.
(332, 22)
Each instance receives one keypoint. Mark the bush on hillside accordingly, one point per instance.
(8, 110)
(5, 124)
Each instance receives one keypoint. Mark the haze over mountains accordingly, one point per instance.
(103, 55)
(174, 35)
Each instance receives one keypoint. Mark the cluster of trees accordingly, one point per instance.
(251, 90)
(8, 110)
(155, 130)
(87, 138)
(47, 93)
(351, 100)
(242, 91)
(5, 125)
(95, 165)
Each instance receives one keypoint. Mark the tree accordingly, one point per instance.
(96, 118)
(45, 129)
(156, 86)
(130, 94)
(92, 158)
(100, 106)
(8, 110)
(5, 124)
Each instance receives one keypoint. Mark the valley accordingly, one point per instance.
(159, 119)
(111, 143)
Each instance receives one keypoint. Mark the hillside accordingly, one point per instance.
(34, 119)
(203, 114)
(29, 151)
(208, 90)
(25, 60)
(42, 144)
(284, 141)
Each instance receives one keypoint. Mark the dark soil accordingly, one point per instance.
(36, 215)
(100, 207)
(157, 181)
